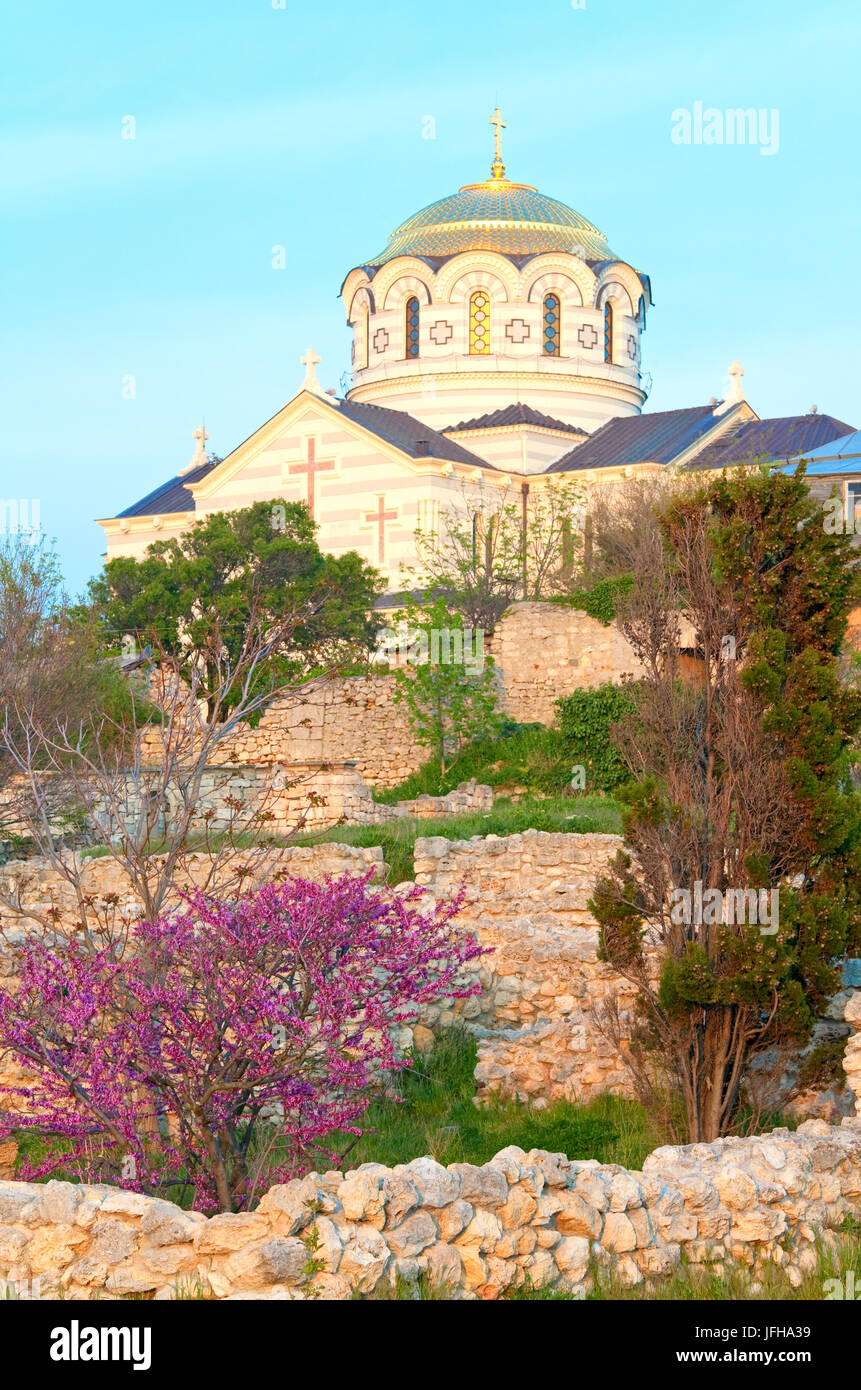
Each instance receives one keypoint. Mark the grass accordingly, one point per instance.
(573, 814)
(530, 757)
(437, 1116)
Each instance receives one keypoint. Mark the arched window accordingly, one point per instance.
(479, 321)
(411, 328)
(552, 326)
(608, 331)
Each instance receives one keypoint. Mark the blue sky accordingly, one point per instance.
(302, 127)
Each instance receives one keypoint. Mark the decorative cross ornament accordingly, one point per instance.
(587, 336)
(440, 332)
(310, 362)
(199, 456)
(517, 331)
(381, 340)
(310, 467)
(200, 452)
(381, 516)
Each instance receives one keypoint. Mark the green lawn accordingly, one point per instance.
(438, 1117)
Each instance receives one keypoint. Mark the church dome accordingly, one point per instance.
(496, 215)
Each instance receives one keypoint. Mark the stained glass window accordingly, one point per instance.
(552, 325)
(411, 330)
(608, 331)
(479, 321)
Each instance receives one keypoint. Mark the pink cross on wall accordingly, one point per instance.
(381, 516)
(311, 466)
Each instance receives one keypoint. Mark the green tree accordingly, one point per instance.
(739, 787)
(199, 597)
(447, 689)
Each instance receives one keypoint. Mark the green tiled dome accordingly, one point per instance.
(496, 215)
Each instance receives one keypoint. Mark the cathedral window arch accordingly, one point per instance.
(608, 331)
(479, 322)
(551, 326)
(411, 327)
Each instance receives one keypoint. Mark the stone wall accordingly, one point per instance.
(475, 1230)
(542, 651)
(36, 884)
(353, 719)
(536, 1020)
(526, 897)
(283, 799)
(546, 650)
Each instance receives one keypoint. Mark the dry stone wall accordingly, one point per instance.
(537, 1019)
(542, 651)
(546, 650)
(282, 799)
(353, 719)
(543, 985)
(475, 1230)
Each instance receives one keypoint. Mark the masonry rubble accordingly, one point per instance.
(541, 650)
(474, 1230)
(537, 1019)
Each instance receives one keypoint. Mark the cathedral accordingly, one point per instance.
(497, 342)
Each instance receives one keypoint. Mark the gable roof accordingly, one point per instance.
(408, 434)
(172, 496)
(517, 414)
(395, 427)
(785, 437)
(658, 437)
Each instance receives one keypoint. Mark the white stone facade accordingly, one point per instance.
(446, 383)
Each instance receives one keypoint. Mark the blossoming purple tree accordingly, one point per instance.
(231, 1042)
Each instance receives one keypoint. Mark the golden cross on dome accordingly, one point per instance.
(499, 125)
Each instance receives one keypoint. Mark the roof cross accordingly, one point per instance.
(499, 125)
(309, 362)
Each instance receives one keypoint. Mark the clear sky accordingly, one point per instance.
(259, 126)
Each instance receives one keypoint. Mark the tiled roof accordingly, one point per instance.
(518, 414)
(658, 437)
(172, 496)
(407, 433)
(766, 440)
